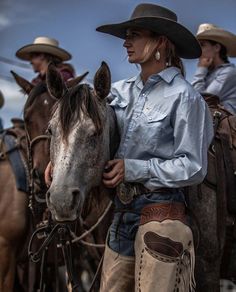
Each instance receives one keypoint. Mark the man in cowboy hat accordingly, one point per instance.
(43, 51)
(215, 74)
(1, 105)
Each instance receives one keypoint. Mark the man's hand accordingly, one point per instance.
(114, 173)
(205, 62)
(48, 174)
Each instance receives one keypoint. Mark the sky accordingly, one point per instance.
(73, 23)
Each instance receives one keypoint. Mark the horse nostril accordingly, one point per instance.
(75, 197)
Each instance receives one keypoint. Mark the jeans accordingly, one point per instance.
(125, 224)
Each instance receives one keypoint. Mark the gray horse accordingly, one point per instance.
(82, 129)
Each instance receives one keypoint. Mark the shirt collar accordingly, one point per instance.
(226, 65)
(167, 75)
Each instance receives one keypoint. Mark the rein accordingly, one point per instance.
(33, 195)
(66, 238)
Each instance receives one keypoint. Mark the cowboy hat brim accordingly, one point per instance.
(186, 44)
(223, 37)
(24, 53)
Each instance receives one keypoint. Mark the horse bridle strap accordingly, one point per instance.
(87, 232)
(37, 139)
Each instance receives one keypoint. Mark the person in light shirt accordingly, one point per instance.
(215, 74)
(165, 128)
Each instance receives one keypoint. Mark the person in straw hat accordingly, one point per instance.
(165, 129)
(43, 51)
(1, 105)
(215, 74)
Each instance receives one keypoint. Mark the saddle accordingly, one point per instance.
(224, 146)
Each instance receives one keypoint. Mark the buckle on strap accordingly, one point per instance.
(126, 192)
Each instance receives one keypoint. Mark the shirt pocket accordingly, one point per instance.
(154, 123)
(120, 108)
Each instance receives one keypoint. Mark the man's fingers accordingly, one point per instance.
(110, 163)
(112, 183)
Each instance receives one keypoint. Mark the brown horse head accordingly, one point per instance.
(38, 110)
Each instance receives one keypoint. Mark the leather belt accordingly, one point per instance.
(127, 191)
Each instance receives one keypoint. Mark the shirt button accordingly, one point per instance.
(150, 119)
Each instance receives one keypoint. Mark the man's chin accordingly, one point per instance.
(131, 60)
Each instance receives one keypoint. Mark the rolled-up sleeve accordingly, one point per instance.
(193, 132)
(216, 86)
(199, 80)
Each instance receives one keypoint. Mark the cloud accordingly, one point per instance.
(14, 102)
(13, 12)
(10, 90)
(4, 21)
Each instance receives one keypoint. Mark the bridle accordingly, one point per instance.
(33, 194)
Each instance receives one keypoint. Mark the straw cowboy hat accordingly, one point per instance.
(162, 21)
(1, 99)
(43, 45)
(207, 31)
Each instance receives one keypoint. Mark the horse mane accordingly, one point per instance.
(76, 101)
(36, 91)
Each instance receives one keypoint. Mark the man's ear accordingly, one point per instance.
(162, 42)
(217, 47)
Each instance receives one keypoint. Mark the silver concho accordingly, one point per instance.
(126, 192)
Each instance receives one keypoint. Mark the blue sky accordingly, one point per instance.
(73, 23)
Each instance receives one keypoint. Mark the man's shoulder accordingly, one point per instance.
(228, 68)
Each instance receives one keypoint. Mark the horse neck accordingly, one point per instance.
(99, 198)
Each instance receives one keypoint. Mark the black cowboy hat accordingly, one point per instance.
(162, 21)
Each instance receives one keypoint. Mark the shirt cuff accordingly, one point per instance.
(201, 71)
(136, 170)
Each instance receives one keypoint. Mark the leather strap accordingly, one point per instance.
(127, 191)
(163, 211)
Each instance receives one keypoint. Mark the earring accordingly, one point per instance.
(158, 55)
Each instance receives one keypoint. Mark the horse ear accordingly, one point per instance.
(55, 84)
(102, 81)
(23, 83)
(73, 82)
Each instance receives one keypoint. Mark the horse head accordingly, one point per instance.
(37, 114)
(80, 142)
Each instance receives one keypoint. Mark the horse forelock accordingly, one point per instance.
(35, 92)
(77, 103)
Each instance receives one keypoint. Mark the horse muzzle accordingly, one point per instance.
(64, 203)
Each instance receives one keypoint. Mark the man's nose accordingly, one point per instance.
(126, 43)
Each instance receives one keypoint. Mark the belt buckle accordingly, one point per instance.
(126, 192)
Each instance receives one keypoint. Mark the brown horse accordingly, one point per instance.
(214, 199)
(37, 113)
(13, 207)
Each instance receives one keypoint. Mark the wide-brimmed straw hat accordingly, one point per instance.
(162, 21)
(208, 31)
(43, 45)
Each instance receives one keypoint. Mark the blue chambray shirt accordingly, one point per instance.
(221, 81)
(165, 128)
